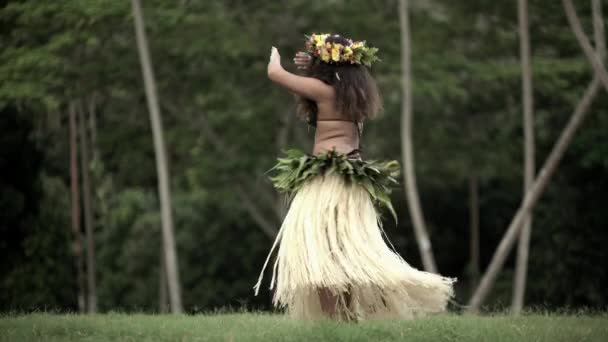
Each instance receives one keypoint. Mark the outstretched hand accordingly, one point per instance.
(275, 58)
(307, 87)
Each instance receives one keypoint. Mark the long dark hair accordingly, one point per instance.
(357, 95)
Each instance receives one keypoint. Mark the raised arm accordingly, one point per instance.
(307, 87)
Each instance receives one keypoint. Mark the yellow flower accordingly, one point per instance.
(335, 53)
(357, 45)
(319, 40)
(347, 51)
(325, 55)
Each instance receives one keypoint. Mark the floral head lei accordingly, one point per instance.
(335, 53)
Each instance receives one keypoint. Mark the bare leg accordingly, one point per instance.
(349, 315)
(328, 301)
(329, 304)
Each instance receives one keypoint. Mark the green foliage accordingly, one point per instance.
(225, 122)
(297, 167)
(42, 276)
(262, 327)
(36, 263)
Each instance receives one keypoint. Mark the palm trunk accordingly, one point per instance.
(411, 190)
(93, 127)
(74, 185)
(474, 226)
(519, 287)
(171, 263)
(280, 205)
(266, 225)
(550, 165)
(162, 286)
(263, 221)
(88, 215)
(531, 198)
(594, 57)
(599, 35)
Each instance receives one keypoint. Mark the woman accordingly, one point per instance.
(332, 259)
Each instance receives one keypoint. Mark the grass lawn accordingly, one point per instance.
(268, 327)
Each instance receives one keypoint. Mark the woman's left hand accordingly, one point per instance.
(302, 60)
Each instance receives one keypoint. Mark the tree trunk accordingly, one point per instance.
(594, 57)
(162, 288)
(267, 226)
(531, 197)
(519, 286)
(264, 222)
(550, 165)
(74, 185)
(280, 204)
(88, 214)
(91, 107)
(171, 263)
(598, 29)
(424, 243)
(474, 226)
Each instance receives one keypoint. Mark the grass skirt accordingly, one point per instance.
(332, 240)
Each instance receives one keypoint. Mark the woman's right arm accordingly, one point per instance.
(307, 87)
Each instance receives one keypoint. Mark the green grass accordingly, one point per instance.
(267, 327)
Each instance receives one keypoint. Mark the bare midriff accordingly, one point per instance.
(340, 135)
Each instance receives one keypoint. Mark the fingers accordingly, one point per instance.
(302, 60)
(302, 56)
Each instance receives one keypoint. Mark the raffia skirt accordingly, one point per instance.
(332, 240)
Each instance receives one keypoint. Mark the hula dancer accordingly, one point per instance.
(332, 259)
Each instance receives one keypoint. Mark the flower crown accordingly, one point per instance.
(335, 53)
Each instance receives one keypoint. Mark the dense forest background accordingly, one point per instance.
(225, 123)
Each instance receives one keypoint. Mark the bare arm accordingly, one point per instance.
(307, 87)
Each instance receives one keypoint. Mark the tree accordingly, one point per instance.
(531, 197)
(413, 200)
(595, 58)
(466, 88)
(171, 264)
(598, 29)
(528, 124)
(91, 266)
(546, 172)
(74, 184)
(474, 228)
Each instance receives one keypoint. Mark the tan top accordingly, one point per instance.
(336, 133)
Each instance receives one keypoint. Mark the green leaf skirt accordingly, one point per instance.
(297, 167)
(331, 241)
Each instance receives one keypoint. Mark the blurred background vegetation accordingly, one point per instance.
(225, 123)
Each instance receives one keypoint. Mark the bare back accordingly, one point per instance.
(334, 131)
